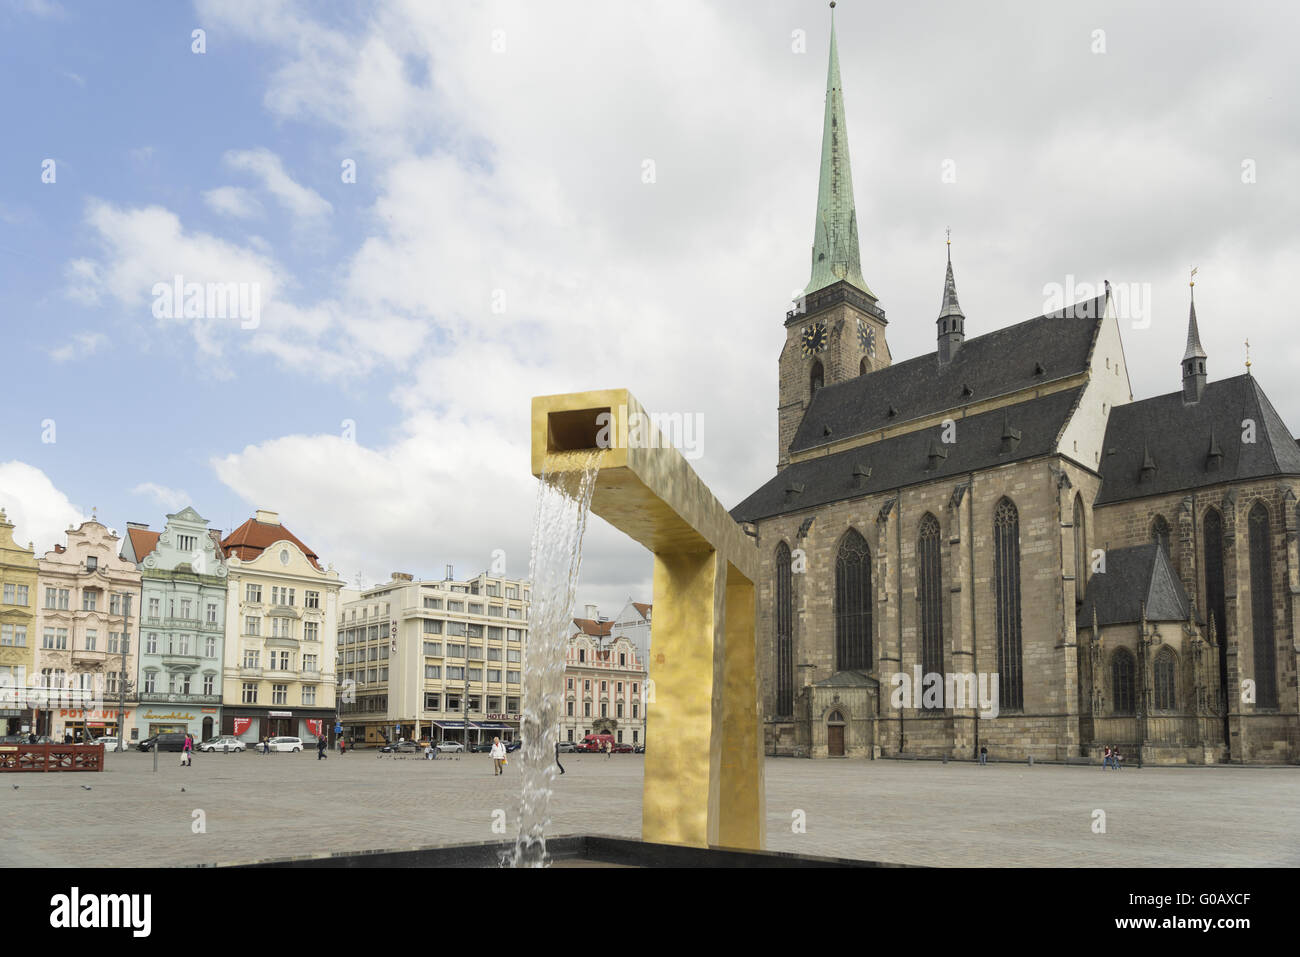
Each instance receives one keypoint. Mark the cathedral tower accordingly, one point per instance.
(1193, 358)
(836, 330)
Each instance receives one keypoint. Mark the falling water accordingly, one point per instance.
(563, 497)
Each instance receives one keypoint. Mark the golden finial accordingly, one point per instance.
(1247, 357)
(1191, 280)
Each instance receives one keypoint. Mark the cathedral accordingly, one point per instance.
(994, 546)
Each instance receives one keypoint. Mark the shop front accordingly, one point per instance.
(252, 725)
(199, 721)
(16, 720)
(86, 724)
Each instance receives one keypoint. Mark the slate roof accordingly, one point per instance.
(1179, 438)
(905, 459)
(997, 363)
(253, 537)
(1133, 575)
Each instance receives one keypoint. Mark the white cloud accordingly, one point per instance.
(303, 202)
(233, 201)
(39, 512)
(83, 344)
(169, 498)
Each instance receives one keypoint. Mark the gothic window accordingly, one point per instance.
(1080, 551)
(784, 633)
(1214, 591)
(1121, 681)
(1006, 578)
(853, 604)
(1166, 699)
(1160, 533)
(1261, 607)
(929, 579)
(816, 378)
(863, 368)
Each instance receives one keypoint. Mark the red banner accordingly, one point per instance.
(242, 725)
(314, 725)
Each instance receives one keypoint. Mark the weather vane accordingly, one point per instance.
(1247, 356)
(1192, 277)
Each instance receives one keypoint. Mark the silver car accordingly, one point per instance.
(224, 742)
(450, 746)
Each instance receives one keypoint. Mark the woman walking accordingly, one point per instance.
(498, 756)
(187, 752)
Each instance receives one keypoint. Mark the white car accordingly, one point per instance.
(286, 744)
(450, 746)
(225, 742)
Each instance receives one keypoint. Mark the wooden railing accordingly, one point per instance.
(51, 757)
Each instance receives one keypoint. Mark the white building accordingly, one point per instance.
(604, 683)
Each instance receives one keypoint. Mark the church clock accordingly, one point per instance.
(813, 339)
(867, 338)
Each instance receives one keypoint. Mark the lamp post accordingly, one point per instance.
(466, 704)
(121, 678)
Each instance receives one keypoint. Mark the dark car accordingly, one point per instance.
(513, 746)
(638, 749)
(171, 741)
(481, 747)
(403, 747)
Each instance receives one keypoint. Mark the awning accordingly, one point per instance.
(493, 726)
(451, 725)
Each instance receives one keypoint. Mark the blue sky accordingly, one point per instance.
(500, 148)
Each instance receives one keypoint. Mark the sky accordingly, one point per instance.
(446, 209)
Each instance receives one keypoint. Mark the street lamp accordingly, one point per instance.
(121, 678)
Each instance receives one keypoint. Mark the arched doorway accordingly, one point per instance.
(835, 735)
(207, 728)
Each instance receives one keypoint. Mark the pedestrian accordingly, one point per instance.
(67, 737)
(498, 756)
(1117, 759)
(984, 754)
(320, 747)
(187, 751)
(557, 757)
(31, 738)
(609, 748)
(343, 746)
(1105, 758)
(266, 745)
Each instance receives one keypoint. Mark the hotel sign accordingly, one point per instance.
(503, 717)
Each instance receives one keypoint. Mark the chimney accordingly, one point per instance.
(450, 573)
(137, 525)
(402, 577)
(267, 518)
(592, 612)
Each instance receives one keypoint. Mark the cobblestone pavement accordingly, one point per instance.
(279, 805)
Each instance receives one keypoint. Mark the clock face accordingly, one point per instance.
(813, 338)
(867, 337)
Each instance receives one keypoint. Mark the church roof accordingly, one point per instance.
(1136, 575)
(1178, 439)
(997, 363)
(986, 440)
(1194, 349)
(950, 308)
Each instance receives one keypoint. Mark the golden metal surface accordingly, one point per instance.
(704, 770)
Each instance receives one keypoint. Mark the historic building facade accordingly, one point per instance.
(88, 621)
(605, 682)
(281, 635)
(420, 659)
(18, 597)
(182, 633)
(1074, 568)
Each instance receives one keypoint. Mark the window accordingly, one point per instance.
(512, 591)
(1080, 551)
(309, 663)
(475, 703)
(187, 543)
(476, 674)
(476, 652)
(126, 644)
(9, 598)
(433, 648)
(603, 687)
(1006, 577)
(514, 655)
(185, 609)
(151, 681)
(586, 686)
(89, 599)
(622, 660)
(253, 593)
(604, 710)
(494, 654)
(453, 702)
(212, 614)
(475, 609)
(815, 378)
(209, 684)
(570, 709)
(582, 654)
(512, 705)
(455, 605)
(1262, 607)
(433, 672)
(431, 702)
(7, 635)
(209, 647)
(619, 712)
(930, 592)
(514, 634)
(456, 629)
(586, 709)
(1214, 592)
(311, 631)
(494, 675)
(279, 694)
(92, 636)
(455, 673)
(455, 651)
(494, 611)
(249, 695)
(281, 627)
(252, 657)
(474, 631)
(92, 563)
(1164, 678)
(110, 685)
(493, 590)
(284, 661)
(493, 705)
(512, 677)
(252, 625)
(636, 710)
(432, 626)
(514, 613)
(784, 619)
(853, 604)
(311, 599)
(1121, 681)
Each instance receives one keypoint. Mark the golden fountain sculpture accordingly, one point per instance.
(704, 760)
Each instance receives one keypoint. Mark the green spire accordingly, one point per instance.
(835, 236)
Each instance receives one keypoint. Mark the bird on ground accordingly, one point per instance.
(85, 787)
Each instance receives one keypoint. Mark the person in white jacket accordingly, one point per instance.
(498, 756)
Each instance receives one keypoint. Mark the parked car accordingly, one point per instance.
(171, 741)
(620, 748)
(404, 747)
(222, 742)
(595, 742)
(450, 747)
(568, 747)
(480, 747)
(286, 744)
(638, 749)
(514, 745)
